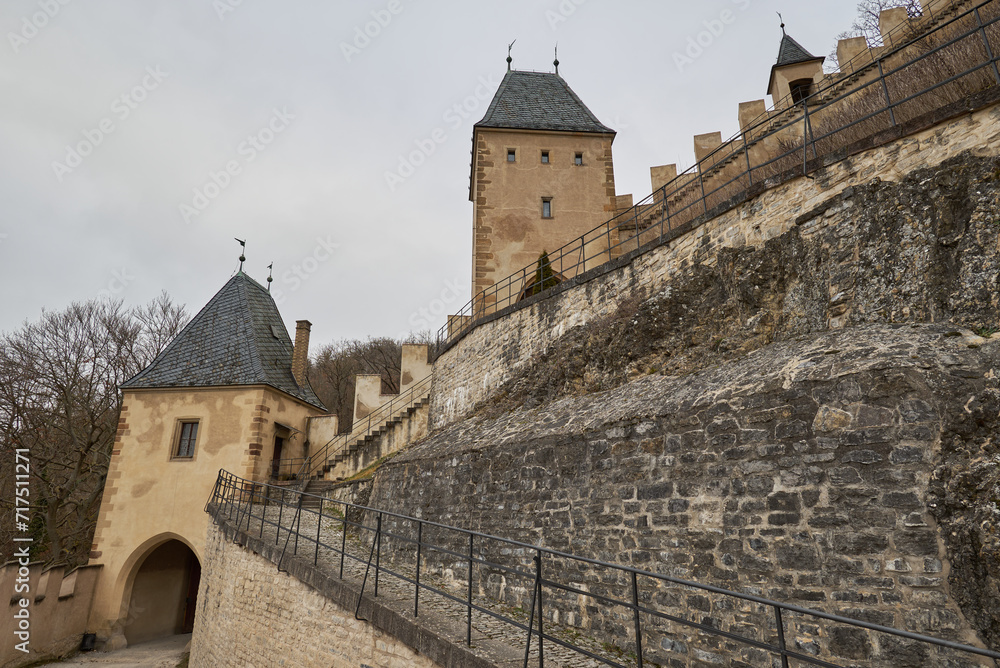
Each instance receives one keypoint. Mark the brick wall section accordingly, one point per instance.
(470, 371)
(809, 472)
(249, 614)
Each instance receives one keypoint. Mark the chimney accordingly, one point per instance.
(300, 353)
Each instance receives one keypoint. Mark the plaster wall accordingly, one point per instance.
(58, 605)
(151, 497)
(509, 230)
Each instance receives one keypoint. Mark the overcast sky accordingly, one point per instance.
(137, 139)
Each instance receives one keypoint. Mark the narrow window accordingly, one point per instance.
(578, 159)
(186, 441)
(545, 157)
(511, 155)
(546, 207)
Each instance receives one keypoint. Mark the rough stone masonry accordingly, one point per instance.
(714, 427)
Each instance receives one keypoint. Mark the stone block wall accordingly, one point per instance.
(249, 614)
(470, 372)
(818, 471)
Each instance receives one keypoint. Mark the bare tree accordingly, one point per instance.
(59, 399)
(866, 24)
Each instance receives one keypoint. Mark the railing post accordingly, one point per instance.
(638, 624)
(468, 625)
(986, 43)
(583, 254)
(378, 550)
(781, 637)
(885, 91)
(343, 544)
(281, 511)
(541, 640)
(746, 152)
(319, 524)
(416, 592)
(701, 178)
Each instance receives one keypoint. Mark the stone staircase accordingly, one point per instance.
(315, 487)
(354, 445)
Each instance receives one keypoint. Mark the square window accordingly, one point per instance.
(186, 440)
(545, 157)
(546, 208)
(578, 159)
(511, 155)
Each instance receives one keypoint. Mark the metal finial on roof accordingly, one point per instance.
(556, 61)
(509, 59)
(270, 271)
(782, 22)
(243, 248)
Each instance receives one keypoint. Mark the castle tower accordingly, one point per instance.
(221, 395)
(795, 75)
(542, 176)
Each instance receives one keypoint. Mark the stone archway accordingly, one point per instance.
(163, 597)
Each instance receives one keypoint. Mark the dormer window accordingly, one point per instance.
(511, 155)
(800, 89)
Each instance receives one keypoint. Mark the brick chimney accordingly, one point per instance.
(300, 353)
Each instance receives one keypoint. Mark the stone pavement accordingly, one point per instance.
(162, 653)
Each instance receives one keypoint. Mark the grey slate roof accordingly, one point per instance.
(539, 101)
(238, 338)
(791, 52)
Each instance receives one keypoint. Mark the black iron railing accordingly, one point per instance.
(336, 449)
(645, 611)
(944, 67)
(291, 468)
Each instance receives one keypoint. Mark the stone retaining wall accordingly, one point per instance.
(470, 371)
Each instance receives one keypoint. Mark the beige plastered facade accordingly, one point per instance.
(510, 232)
(152, 497)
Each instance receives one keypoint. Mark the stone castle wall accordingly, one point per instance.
(819, 472)
(471, 371)
(249, 614)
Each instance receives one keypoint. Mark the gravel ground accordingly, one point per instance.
(162, 653)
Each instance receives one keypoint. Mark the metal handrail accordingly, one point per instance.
(680, 202)
(380, 415)
(229, 498)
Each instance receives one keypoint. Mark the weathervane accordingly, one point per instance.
(782, 22)
(270, 271)
(243, 248)
(509, 59)
(556, 61)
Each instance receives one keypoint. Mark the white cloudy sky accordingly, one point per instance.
(111, 221)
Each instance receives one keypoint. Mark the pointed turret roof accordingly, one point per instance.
(539, 101)
(238, 338)
(791, 52)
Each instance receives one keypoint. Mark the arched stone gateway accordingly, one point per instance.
(164, 592)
